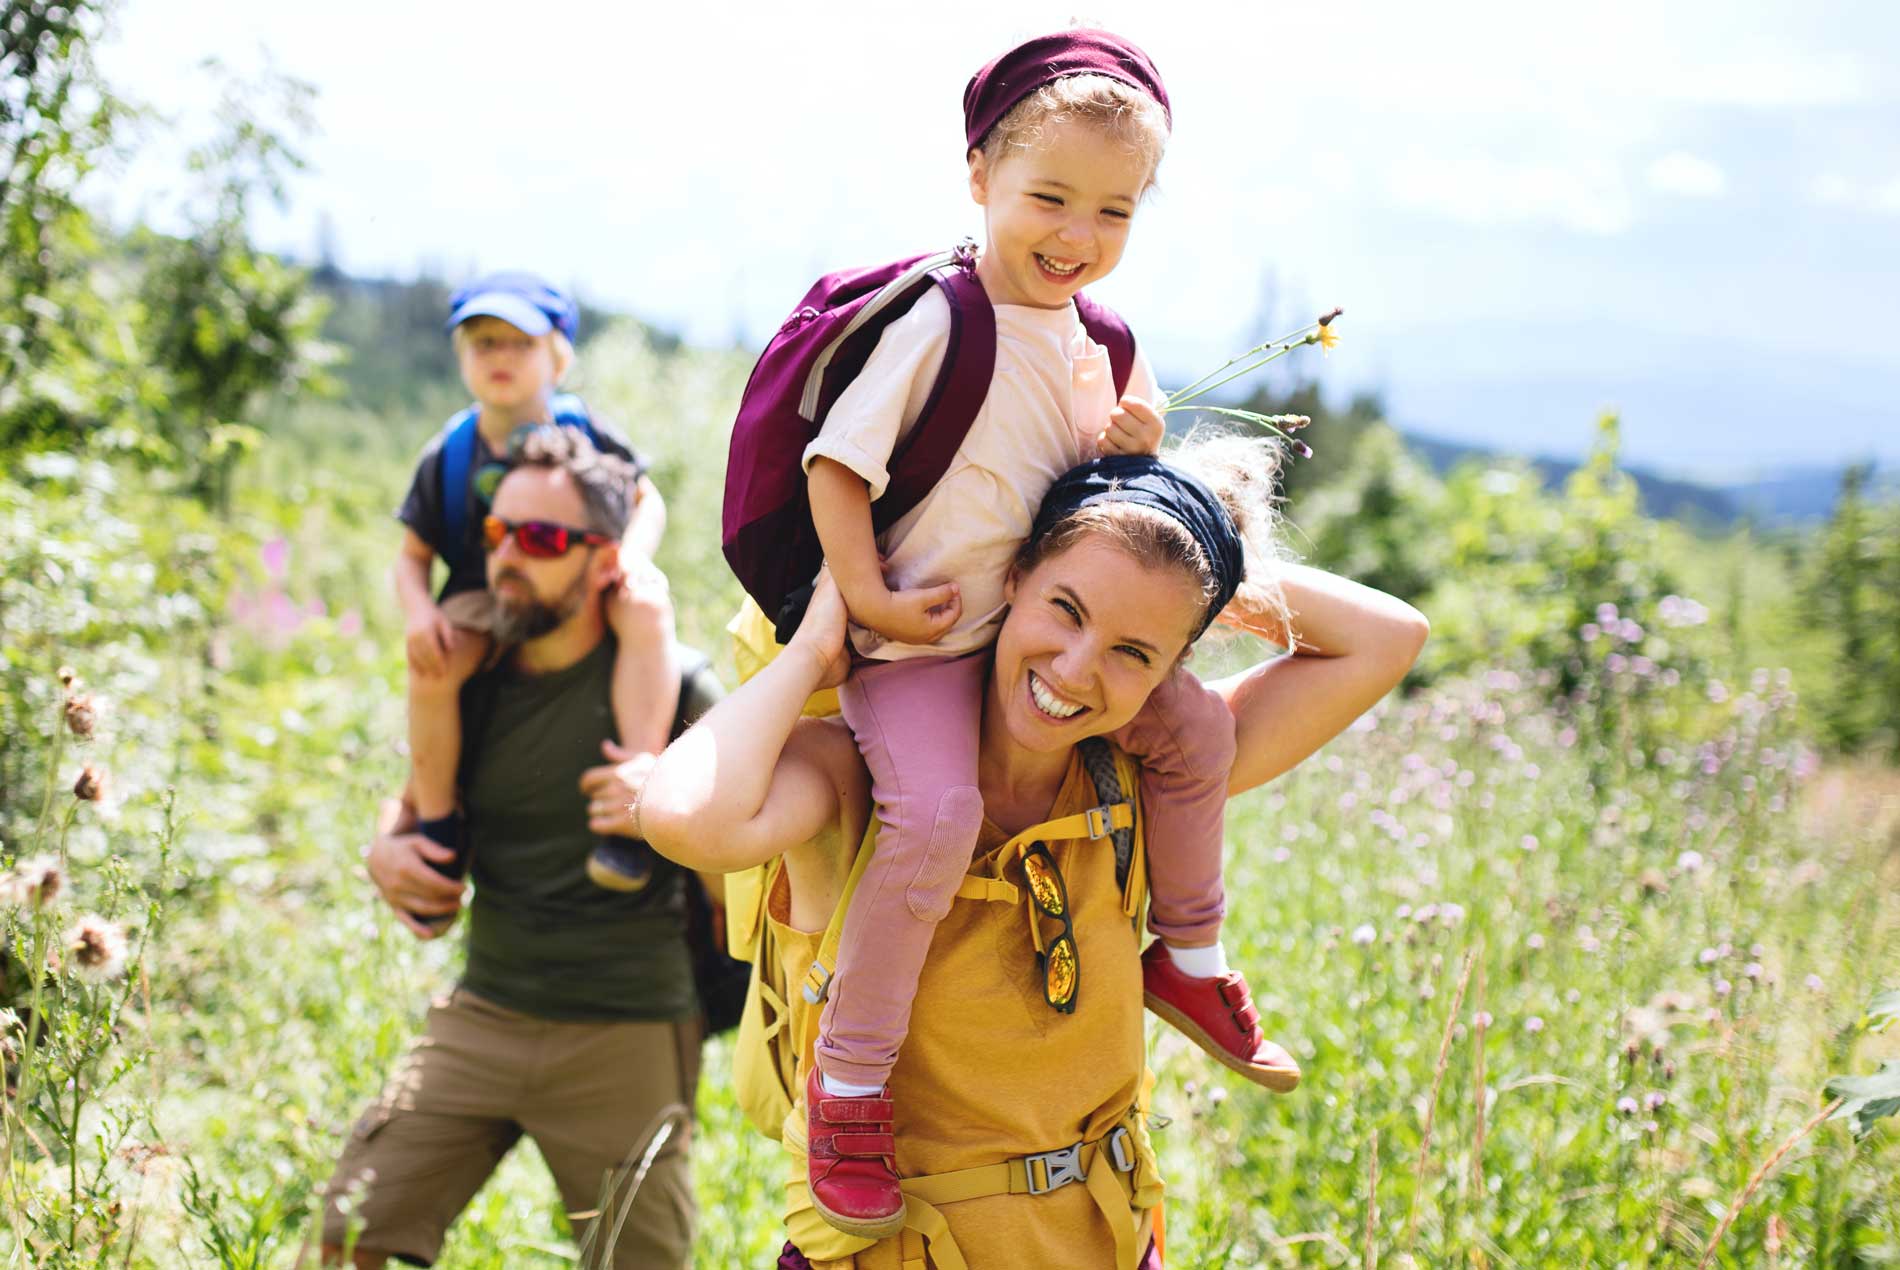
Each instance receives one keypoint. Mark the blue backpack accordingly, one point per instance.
(458, 463)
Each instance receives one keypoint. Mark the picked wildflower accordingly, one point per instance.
(91, 785)
(97, 947)
(35, 883)
(1319, 332)
(82, 714)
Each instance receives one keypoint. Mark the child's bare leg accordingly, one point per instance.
(646, 683)
(646, 691)
(435, 725)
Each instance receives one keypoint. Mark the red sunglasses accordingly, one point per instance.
(541, 539)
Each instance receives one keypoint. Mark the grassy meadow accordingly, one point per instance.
(1569, 937)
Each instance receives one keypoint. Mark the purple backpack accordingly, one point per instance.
(766, 528)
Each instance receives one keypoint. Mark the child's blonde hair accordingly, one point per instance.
(1123, 113)
(559, 346)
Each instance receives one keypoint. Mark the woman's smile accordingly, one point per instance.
(1051, 704)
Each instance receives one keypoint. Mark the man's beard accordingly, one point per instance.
(522, 616)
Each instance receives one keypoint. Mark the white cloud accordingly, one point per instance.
(1831, 189)
(1589, 196)
(1687, 175)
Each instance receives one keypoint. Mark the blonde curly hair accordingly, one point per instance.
(1122, 113)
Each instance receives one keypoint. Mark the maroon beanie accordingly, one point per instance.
(1021, 71)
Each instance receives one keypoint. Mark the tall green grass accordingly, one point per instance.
(1672, 913)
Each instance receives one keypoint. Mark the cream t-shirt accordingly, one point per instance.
(1049, 398)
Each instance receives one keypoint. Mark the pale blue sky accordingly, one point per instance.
(1689, 210)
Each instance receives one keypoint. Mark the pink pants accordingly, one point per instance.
(917, 723)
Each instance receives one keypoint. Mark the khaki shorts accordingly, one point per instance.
(591, 1095)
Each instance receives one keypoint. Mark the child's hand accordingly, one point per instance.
(427, 642)
(1134, 427)
(920, 615)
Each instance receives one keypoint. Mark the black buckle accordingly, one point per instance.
(1060, 1167)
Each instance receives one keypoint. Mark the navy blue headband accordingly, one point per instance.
(1146, 481)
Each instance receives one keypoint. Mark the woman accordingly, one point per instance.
(1016, 1093)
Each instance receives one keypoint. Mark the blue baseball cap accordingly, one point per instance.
(519, 299)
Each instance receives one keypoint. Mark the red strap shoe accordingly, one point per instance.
(851, 1161)
(1217, 1015)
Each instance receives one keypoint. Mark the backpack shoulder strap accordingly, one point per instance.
(818, 978)
(962, 383)
(570, 411)
(1116, 781)
(1107, 328)
(458, 462)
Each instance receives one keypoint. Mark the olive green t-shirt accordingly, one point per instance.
(542, 938)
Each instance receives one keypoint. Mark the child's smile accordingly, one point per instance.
(1057, 214)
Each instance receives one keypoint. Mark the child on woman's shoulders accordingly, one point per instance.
(1064, 134)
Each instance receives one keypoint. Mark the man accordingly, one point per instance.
(575, 1021)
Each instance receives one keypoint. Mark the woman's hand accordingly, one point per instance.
(613, 790)
(822, 631)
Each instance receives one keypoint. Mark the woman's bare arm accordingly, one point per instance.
(746, 783)
(1351, 645)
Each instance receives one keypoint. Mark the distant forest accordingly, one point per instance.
(391, 330)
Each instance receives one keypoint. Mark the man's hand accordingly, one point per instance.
(613, 788)
(1134, 427)
(921, 615)
(427, 642)
(398, 863)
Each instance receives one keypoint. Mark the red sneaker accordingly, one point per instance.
(851, 1161)
(1218, 1016)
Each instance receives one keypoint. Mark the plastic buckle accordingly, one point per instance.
(820, 977)
(1120, 1152)
(1100, 820)
(1060, 1167)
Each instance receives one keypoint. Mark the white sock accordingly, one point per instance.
(1200, 963)
(845, 1089)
